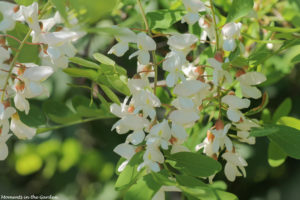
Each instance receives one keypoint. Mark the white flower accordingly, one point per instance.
(30, 15)
(7, 22)
(21, 130)
(235, 164)
(28, 84)
(248, 80)
(207, 145)
(4, 136)
(235, 104)
(206, 23)
(219, 73)
(145, 44)
(33, 76)
(6, 112)
(159, 135)
(129, 121)
(126, 151)
(221, 139)
(194, 89)
(123, 36)
(184, 117)
(146, 101)
(231, 32)
(179, 135)
(190, 71)
(152, 157)
(193, 7)
(182, 42)
(59, 48)
(243, 131)
(137, 85)
(173, 64)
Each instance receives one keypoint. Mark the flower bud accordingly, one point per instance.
(239, 73)
(173, 140)
(131, 109)
(219, 124)
(16, 8)
(219, 56)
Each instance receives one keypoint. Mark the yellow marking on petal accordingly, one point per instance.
(30, 20)
(160, 133)
(140, 46)
(149, 156)
(147, 101)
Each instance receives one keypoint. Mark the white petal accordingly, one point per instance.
(144, 57)
(21, 130)
(125, 150)
(171, 79)
(119, 49)
(229, 45)
(234, 115)
(252, 78)
(230, 172)
(21, 103)
(250, 91)
(3, 151)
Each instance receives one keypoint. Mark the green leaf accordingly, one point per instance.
(264, 131)
(195, 164)
(145, 189)
(163, 19)
(84, 63)
(60, 5)
(35, 117)
(290, 121)
(281, 29)
(296, 59)
(25, 2)
(119, 83)
(238, 9)
(276, 155)
(130, 174)
(163, 177)
(83, 107)
(77, 72)
(288, 139)
(104, 59)
(59, 112)
(29, 53)
(196, 189)
(110, 94)
(90, 11)
(283, 109)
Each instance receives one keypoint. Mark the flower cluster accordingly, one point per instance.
(22, 81)
(194, 87)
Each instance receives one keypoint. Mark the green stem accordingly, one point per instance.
(152, 52)
(215, 24)
(12, 64)
(46, 129)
